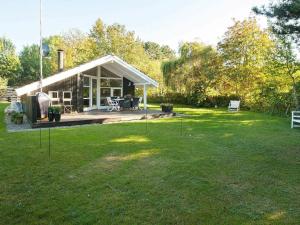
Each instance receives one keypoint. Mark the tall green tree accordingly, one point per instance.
(116, 39)
(244, 50)
(30, 63)
(286, 65)
(194, 72)
(9, 61)
(284, 16)
(157, 52)
(78, 48)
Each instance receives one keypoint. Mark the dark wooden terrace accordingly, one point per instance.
(101, 117)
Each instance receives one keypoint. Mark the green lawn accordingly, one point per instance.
(225, 168)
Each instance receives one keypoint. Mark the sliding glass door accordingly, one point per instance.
(89, 93)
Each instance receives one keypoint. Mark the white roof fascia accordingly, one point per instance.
(62, 75)
(134, 70)
(71, 72)
(119, 71)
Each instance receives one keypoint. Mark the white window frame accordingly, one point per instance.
(98, 98)
(116, 88)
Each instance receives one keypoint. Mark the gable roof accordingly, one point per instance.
(110, 62)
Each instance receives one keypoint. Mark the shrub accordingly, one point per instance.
(195, 100)
(56, 109)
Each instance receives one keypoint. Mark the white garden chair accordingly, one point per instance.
(112, 105)
(295, 119)
(140, 102)
(234, 106)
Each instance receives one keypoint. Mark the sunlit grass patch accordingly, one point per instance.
(131, 139)
(134, 156)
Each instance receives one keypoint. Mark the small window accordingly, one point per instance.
(53, 94)
(86, 81)
(86, 102)
(86, 92)
(67, 95)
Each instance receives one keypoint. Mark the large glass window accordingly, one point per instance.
(86, 102)
(86, 92)
(94, 92)
(89, 92)
(110, 85)
(86, 81)
(105, 92)
(116, 92)
(105, 83)
(115, 83)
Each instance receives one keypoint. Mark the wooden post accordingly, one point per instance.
(98, 86)
(49, 139)
(145, 96)
(77, 92)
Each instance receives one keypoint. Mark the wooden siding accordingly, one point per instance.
(128, 87)
(30, 107)
(69, 84)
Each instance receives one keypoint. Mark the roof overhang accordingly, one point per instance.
(110, 62)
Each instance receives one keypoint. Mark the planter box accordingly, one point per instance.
(167, 109)
(57, 117)
(50, 116)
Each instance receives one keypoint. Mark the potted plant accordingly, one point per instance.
(166, 107)
(50, 114)
(19, 118)
(57, 113)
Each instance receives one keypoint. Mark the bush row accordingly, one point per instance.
(279, 103)
(200, 101)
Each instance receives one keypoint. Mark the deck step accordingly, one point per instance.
(67, 123)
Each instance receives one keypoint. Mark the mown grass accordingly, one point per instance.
(221, 168)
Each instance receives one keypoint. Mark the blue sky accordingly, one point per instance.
(162, 21)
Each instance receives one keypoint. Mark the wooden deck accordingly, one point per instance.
(101, 117)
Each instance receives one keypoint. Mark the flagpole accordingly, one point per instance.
(41, 50)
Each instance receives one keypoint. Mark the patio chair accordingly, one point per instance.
(125, 104)
(140, 102)
(295, 119)
(135, 103)
(112, 105)
(67, 101)
(234, 106)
